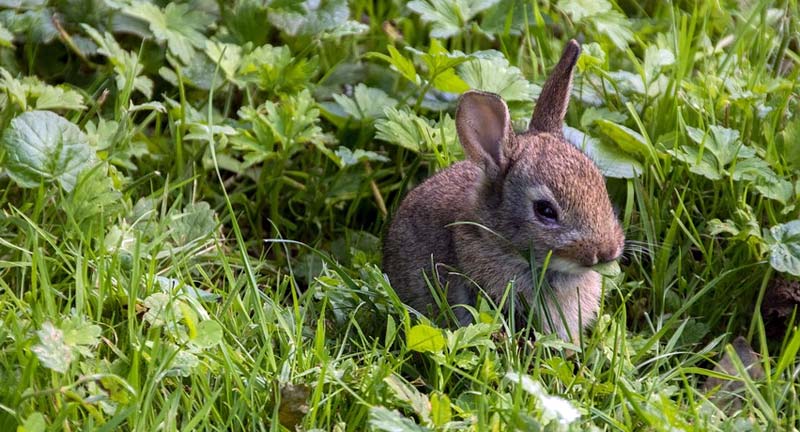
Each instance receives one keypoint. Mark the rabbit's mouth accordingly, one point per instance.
(566, 266)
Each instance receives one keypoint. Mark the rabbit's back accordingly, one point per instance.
(418, 237)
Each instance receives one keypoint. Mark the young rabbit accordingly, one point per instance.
(523, 196)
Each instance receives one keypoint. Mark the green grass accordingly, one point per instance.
(210, 257)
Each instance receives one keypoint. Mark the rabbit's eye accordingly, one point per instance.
(545, 211)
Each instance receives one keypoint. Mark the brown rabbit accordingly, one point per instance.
(523, 196)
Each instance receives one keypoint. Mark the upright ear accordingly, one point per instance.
(552, 104)
(484, 128)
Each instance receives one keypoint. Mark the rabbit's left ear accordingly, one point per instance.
(552, 104)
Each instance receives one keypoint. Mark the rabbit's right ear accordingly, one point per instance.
(484, 128)
(548, 116)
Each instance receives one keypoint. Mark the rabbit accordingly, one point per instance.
(477, 224)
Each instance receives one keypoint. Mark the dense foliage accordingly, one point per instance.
(192, 196)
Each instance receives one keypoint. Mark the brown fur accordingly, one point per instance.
(496, 188)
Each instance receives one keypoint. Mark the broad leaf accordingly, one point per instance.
(424, 338)
(94, 196)
(626, 138)
(42, 146)
(177, 24)
(196, 222)
(400, 63)
(612, 161)
(441, 413)
(508, 17)
(51, 350)
(366, 103)
(382, 419)
(448, 17)
(58, 347)
(348, 157)
(714, 151)
(274, 68)
(490, 71)
(326, 18)
(406, 129)
(599, 14)
(209, 334)
(227, 56)
(126, 64)
(784, 247)
(405, 392)
(29, 92)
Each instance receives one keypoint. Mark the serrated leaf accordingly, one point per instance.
(58, 98)
(367, 103)
(656, 58)
(161, 310)
(410, 395)
(752, 169)
(448, 17)
(382, 419)
(714, 151)
(476, 335)
(30, 91)
(347, 28)
(274, 68)
(312, 17)
(42, 146)
(227, 55)
(600, 15)
(31, 26)
(612, 161)
(424, 338)
(777, 189)
(508, 17)
(448, 81)
(81, 335)
(126, 64)
(406, 129)
(177, 24)
(348, 157)
(402, 64)
(295, 120)
(51, 350)
(438, 59)
(94, 195)
(490, 71)
(196, 222)
(580, 9)
(717, 227)
(615, 26)
(182, 364)
(784, 247)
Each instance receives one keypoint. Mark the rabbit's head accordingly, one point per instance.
(540, 192)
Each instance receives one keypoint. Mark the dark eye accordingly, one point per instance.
(545, 211)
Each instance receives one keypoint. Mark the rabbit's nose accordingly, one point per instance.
(605, 255)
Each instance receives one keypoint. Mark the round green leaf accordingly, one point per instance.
(43, 146)
(209, 333)
(424, 338)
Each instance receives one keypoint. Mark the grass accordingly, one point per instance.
(210, 258)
